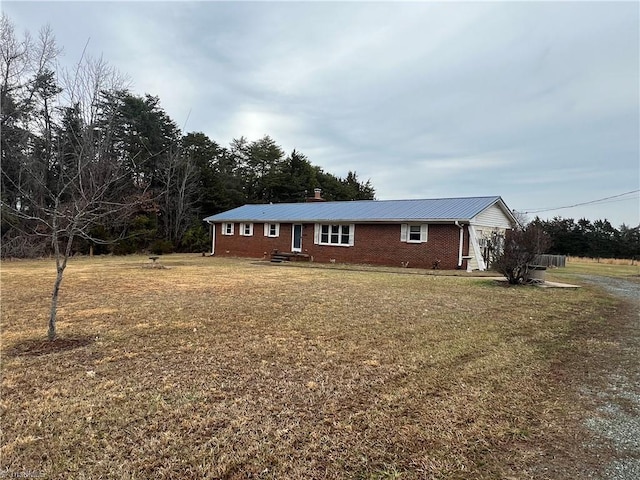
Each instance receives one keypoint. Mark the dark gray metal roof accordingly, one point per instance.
(428, 210)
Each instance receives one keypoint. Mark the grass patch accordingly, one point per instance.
(607, 267)
(223, 368)
(603, 261)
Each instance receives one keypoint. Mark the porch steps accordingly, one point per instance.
(279, 257)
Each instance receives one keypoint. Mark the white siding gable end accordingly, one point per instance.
(493, 216)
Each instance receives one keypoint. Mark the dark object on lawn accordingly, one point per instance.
(154, 263)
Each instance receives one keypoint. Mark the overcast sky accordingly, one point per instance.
(535, 102)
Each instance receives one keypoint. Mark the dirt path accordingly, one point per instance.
(615, 421)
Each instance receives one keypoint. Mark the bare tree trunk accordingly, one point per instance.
(54, 305)
(61, 264)
(184, 199)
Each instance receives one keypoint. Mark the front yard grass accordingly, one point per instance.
(227, 368)
(580, 266)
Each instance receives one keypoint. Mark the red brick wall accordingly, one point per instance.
(373, 244)
(255, 246)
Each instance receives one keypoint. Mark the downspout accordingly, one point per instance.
(460, 242)
(213, 237)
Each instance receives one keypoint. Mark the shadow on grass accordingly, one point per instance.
(37, 347)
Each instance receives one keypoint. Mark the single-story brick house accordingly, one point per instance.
(445, 232)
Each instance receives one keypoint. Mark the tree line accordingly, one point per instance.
(90, 166)
(583, 238)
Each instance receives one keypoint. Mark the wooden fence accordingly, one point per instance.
(551, 260)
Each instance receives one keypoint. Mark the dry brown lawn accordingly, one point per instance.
(225, 368)
(607, 267)
(602, 261)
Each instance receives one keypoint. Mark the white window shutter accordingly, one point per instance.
(423, 232)
(232, 227)
(403, 232)
(277, 229)
(266, 229)
(316, 234)
(251, 229)
(352, 231)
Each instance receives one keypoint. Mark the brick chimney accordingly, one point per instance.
(317, 196)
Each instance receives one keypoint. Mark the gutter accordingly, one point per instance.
(442, 221)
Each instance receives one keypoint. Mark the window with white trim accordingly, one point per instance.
(246, 229)
(413, 232)
(338, 235)
(271, 229)
(227, 228)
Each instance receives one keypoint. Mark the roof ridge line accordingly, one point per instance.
(379, 201)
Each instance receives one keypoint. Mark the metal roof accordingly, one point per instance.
(426, 210)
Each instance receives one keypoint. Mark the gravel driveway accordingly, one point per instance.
(616, 420)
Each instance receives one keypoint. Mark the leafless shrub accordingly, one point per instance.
(521, 246)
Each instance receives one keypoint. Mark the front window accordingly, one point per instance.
(271, 229)
(336, 235)
(416, 233)
(227, 228)
(324, 235)
(246, 229)
(344, 235)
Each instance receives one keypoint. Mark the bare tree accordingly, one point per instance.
(179, 177)
(15, 57)
(67, 181)
(522, 219)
